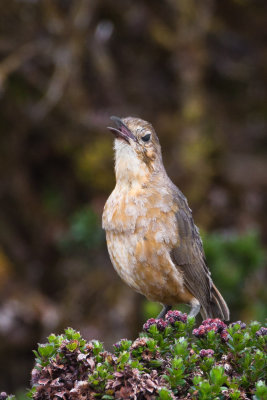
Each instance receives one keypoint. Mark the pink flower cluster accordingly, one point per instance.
(240, 323)
(170, 319)
(175, 315)
(262, 331)
(206, 353)
(160, 323)
(210, 324)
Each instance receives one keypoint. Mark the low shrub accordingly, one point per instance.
(169, 360)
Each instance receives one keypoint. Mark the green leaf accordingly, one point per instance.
(261, 391)
(155, 363)
(151, 344)
(123, 358)
(180, 348)
(235, 395)
(72, 345)
(217, 376)
(165, 394)
(98, 347)
(46, 350)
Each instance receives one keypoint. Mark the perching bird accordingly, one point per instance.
(152, 240)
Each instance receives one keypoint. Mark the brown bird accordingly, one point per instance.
(152, 240)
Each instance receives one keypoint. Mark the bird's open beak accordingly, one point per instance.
(121, 130)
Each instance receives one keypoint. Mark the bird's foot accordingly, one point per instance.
(195, 308)
(164, 311)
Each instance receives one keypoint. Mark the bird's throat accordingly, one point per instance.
(130, 170)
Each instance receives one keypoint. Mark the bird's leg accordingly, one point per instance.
(164, 311)
(195, 307)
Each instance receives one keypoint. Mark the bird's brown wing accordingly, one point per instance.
(188, 254)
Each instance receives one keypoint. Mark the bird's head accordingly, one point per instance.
(137, 148)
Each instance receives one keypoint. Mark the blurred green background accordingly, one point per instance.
(197, 71)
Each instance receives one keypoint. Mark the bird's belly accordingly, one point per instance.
(145, 265)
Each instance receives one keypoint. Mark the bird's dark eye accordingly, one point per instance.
(146, 137)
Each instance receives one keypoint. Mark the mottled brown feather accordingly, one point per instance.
(152, 240)
(190, 259)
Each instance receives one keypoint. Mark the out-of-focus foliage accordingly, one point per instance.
(236, 263)
(84, 233)
(196, 70)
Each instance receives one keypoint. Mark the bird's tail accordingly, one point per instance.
(217, 307)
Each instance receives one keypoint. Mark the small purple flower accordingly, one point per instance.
(261, 332)
(211, 327)
(221, 326)
(199, 332)
(206, 353)
(149, 323)
(215, 323)
(174, 315)
(224, 336)
(240, 323)
(160, 324)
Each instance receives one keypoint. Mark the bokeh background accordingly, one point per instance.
(198, 71)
